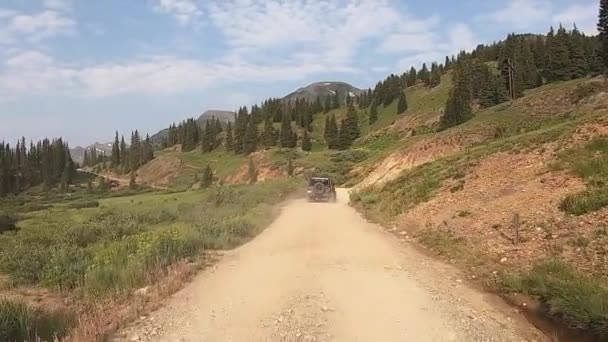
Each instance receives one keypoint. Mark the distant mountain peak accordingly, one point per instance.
(323, 89)
(223, 115)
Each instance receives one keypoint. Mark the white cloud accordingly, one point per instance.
(584, 15)
(42, 25)
(461, 38)
(32, 72)
(61, 5)
(432, 46)
(519, 14)
(184, 11)
(331, 31)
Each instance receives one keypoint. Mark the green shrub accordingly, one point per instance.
(589, 162)
(7, 221)
(83, 204)
(24, 261)
(66, 267)
(579, 300)
(585, 202)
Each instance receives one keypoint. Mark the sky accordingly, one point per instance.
(82, 69)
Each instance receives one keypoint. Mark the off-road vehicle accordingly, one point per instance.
(321, 189)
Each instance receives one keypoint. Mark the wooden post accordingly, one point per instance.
(515, 228)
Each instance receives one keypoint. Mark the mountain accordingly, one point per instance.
(323, 89)
(223, 115)
(77, 152)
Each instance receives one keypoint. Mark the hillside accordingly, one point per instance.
(322, 90)
(542, 159)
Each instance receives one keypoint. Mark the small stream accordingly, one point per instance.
(536, 313)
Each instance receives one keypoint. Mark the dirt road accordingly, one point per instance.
(320, 272)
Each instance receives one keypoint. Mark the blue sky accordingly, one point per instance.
(82, 69)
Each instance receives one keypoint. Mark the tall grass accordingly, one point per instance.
(579, 300)
(20, 322)
(590, 162)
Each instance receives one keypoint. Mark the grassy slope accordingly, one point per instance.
(556, 284)
(223, 164)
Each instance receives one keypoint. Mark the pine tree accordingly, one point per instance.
(286, 138)
(373, 113)
(332, 138)
(306, 143)
(402, 104)
(602, 27)
(229, 138)
(86, 159)
(435, 76)
(344, 138)
(124, 153)
(559, 56)
(494, 92)
(250, 142)
(423, 74)
(207, 177)
(579, 64)
(349, 129)
(308, 121)
(326, 128)
(412, 77)
(327, 105)
(135, 151)
(458, 106)
(448, 63)
(252, 172)
(115, 153)
(269, 136)
(148, 149)
(89, 186)
(335, 101)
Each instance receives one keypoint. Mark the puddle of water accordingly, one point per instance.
(536, 313)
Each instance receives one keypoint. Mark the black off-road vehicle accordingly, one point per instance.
(321, 189)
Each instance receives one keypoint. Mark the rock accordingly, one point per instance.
(459, 280)
(135, 338)
(309, 338)
(503, 260)
(324, 308)
(143, 291)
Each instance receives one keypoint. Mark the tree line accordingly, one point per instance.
(493, 74)
(124, 159)
(47, 163)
